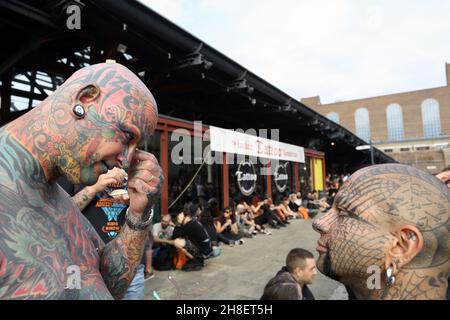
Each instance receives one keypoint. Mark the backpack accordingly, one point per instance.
(164, 258)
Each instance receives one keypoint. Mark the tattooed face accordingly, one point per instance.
(367, 214)
(120, 112)
(113, 141)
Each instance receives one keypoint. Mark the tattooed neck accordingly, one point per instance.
(26, 168)
(410, 285)
(32, 134)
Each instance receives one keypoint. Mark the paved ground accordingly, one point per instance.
(241, 272)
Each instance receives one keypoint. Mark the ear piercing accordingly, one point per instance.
(79, 111)
(390, 278)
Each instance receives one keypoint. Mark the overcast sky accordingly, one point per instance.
(337, 49)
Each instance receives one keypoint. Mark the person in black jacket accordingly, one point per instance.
(291, 282)
(196, 239)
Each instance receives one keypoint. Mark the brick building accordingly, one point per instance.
(412, 127)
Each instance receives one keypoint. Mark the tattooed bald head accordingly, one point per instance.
(388, 216)
(93, 122)
(119, 113)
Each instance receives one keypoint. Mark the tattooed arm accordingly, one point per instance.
(85, 196)
(121, 256)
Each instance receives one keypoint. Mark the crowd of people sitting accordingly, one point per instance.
(190, 234)
(195, 231)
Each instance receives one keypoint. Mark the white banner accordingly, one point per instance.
(224, 140)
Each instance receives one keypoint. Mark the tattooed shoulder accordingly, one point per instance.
(46, 245)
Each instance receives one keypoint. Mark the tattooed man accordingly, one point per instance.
(388, 223)
(92, 123)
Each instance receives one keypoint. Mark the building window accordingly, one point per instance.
(431, 118)
(394, 122)
(388, 150)
(422, 148)
(404, 149)
(362, 124)
(333, 116)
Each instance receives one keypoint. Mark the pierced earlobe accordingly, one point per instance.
(78, 111)
(390, 278)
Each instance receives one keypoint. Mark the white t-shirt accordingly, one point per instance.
(158, 231)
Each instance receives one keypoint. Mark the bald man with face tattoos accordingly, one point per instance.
(392, 218)
(90, 124)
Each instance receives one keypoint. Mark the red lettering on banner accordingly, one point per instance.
(258, 143)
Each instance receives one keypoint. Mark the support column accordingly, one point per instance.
(225, 177)
(164, 160)
(296, 178)
(269, 179)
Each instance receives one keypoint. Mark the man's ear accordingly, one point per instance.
(406, 245)
(88, 93)
(298, 270)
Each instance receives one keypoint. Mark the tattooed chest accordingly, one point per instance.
(43, 256)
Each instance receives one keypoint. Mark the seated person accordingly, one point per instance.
(256, 206)
(393, 221)
(196, 240)
(291, 282)
(277, 215)
(296, 204)
(226, 228)
(292, 198)
(163, 245)
(207, 221)
(288, 212)
(248, 217)
(244, 229)
(320, 198)
(261, 213)
(245, 218)
(330, 196)
(314, 205)
(163, 231)
(310, 201)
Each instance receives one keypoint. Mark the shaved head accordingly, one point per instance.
(386, 215)
(120, 112)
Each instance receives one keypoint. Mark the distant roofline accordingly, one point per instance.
(375, 97)
(419, 139)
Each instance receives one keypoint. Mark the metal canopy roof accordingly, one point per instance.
(189, 79)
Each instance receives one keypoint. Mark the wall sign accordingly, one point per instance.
(224, 140)
(246, 177)
(280, 176)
